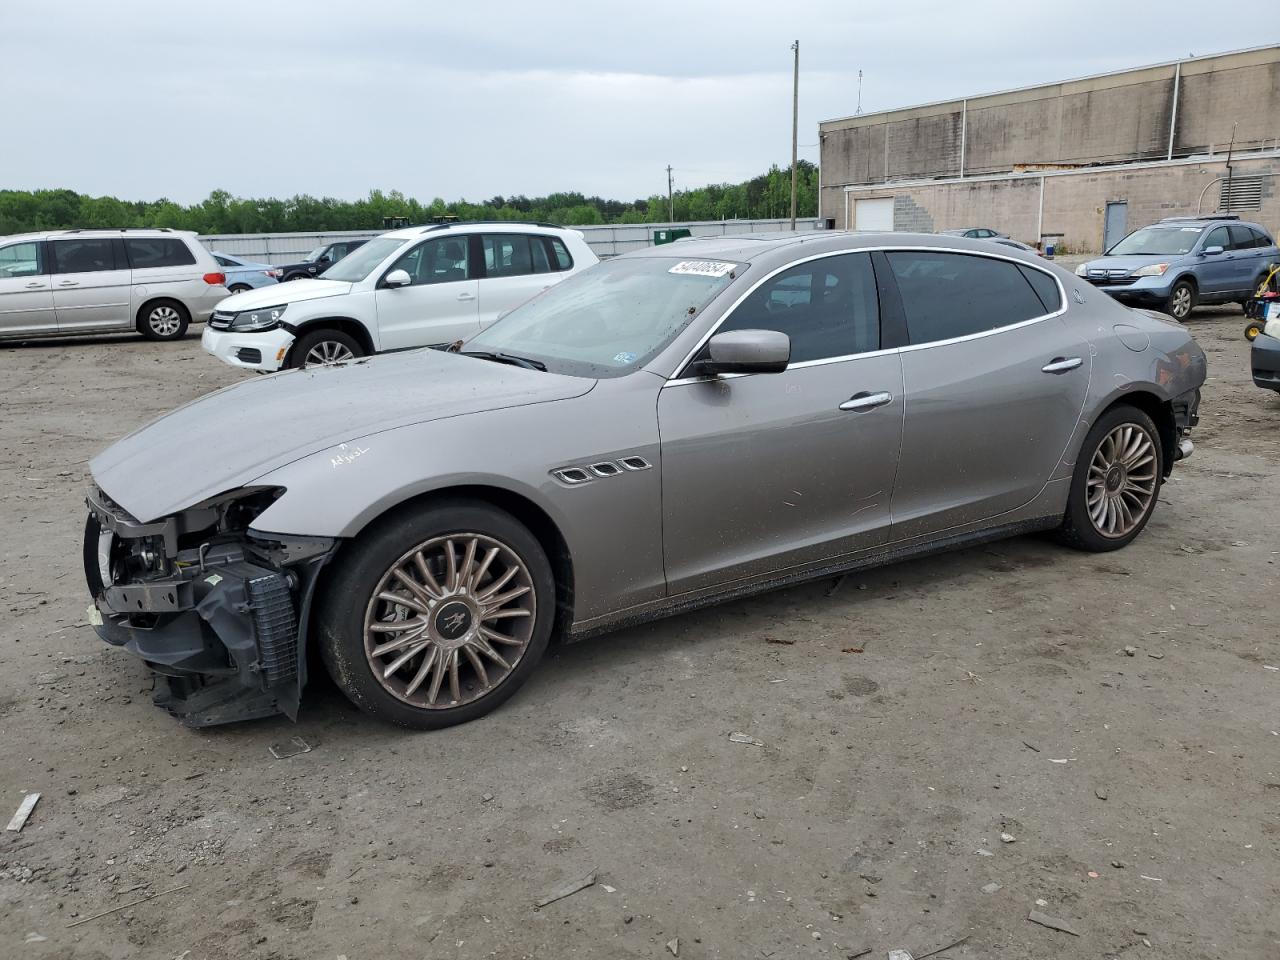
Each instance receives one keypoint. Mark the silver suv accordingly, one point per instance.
(103, 281)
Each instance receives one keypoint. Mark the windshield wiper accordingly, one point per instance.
(510, 358)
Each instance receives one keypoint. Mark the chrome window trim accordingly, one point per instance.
(887, 248)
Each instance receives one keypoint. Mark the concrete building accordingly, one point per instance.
(1088, 160)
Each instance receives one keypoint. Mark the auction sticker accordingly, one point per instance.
(703, 268)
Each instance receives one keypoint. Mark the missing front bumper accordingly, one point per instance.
(221, 622)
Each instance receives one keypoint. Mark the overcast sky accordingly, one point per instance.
(468, 100)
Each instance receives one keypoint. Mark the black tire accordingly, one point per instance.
(296, 276)
(163, 320)
(1182, 300)
(238, 288)
(317, 340)
(1078, 529)
(347, 597)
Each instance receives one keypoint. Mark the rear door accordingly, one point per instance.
(1216, 272)
(1247, 258)
(26, 296)
(994, 383)
(440, 304)
(91, 284)
(516, 267)
(160, 267)
(768, 472)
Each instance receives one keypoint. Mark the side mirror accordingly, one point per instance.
(397, 278)
(745, 351)
(1212, 251)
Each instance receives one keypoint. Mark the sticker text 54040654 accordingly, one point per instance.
(703, 268)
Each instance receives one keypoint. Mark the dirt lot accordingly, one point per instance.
(993, 696)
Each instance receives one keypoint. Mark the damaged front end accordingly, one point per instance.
(217, 611)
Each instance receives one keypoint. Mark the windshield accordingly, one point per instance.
(609, 319)
(362, 261)
(1157, 241)
(314, 255)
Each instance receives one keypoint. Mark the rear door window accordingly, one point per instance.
(949, 295)
(828, 307)
(507, 255)
(83, 255)
(1241, 237)
(147, 252)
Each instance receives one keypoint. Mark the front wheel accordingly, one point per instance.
(1181, 299)
(437, 617)
(320, 348)
(1116, 482)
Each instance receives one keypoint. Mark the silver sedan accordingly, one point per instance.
(671, 428)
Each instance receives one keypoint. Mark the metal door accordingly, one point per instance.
(765, 472)
(91, 284)
(874, 214)
(1115, 225)
(26, 301)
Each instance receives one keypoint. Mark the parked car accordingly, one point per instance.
(667, 429)
(319, 260)
(62, 282)
(974, 233)
(1017, 245)
(1264, 358)
(1181, 262)
(422, 286)
(244, 274)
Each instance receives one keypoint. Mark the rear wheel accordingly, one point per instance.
(1116, 483)
(1181, 299)
(239, 288)
(436, 618)
(163, 320)
(320, 348)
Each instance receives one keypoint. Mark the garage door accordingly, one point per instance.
(874, 214)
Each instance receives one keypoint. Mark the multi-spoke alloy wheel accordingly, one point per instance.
(1122, 480)
(163, 320)
(436, 614)
(327, 351)
(450, 620)
(1116, 483)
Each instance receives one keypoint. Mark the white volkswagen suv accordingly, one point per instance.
(417, 287)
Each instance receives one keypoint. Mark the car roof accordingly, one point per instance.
(779, 245)
(478, 226)
(102, 232)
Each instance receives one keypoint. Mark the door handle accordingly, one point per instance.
(466, 296)
(68, 283)
(866, 401)
(35, 286)
(1061, 364)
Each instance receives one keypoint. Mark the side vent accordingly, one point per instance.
(605, 468)
(635, 463)
(572, 475)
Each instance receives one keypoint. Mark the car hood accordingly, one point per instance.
(294, 291)
(230, 438)
(1128, 264)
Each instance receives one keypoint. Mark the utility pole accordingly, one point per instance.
(671, 197)
(795, 126)
(858, 112)
(1230, 148)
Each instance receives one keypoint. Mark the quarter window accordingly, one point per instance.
(147, 252)
(443, 260)
(1260, 239)
(1045, 286)
(947, 295)
(828, 307)
(21, 260)
(561, 254)
(87, 255)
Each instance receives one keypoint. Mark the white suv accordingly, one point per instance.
(64, 282)
(422, 286)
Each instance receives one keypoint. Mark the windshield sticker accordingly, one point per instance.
(1189, 229)
(624, 357)
(702, 268)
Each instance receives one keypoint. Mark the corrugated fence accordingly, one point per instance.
(608, 241)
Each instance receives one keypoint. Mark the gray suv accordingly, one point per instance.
(1181, 262)
(62, 282)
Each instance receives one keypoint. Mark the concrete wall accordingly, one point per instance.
(1113, 118)
(607, 241)
(1074, 202)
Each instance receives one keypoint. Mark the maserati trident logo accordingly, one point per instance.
(454, 620)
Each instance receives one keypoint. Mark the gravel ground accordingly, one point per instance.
(944, 746)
